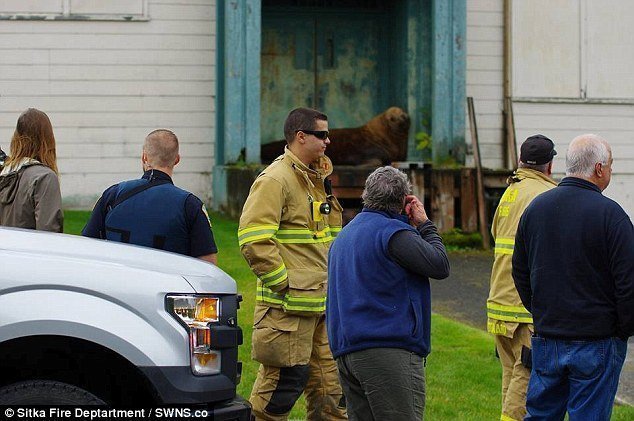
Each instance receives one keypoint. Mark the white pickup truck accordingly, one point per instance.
(86, 321)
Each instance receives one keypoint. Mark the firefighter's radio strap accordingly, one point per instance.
(328, 186)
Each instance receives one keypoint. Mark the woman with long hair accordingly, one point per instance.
(30, 196)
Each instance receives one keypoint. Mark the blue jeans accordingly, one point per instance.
(580, 377)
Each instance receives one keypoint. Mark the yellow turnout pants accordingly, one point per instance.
(514, 375)
(295, 357)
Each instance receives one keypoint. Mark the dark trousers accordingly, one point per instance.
(383, 384)
(578, 377)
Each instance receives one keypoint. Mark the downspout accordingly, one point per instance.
(507, 49)
(510, 148)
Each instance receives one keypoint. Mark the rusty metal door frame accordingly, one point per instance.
(308, 61)
(442, 83)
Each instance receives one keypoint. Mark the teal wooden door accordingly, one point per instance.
(329, 61)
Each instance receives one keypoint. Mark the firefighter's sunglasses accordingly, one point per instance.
(319, 134)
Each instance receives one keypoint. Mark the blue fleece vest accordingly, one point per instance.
(372, 301)
(153, 218)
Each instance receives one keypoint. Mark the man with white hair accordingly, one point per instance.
(573, 266)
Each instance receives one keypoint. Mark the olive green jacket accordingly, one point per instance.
(30, 197)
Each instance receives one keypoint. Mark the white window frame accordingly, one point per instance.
(583, 68)
(66, 15)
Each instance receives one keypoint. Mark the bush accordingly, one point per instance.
(456, 239)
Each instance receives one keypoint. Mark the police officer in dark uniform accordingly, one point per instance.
(151, 211)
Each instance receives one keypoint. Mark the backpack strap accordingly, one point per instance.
(138, 189)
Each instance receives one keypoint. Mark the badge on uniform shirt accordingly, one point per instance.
(206, 214)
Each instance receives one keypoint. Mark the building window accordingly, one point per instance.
(116, 10)
(573, 49)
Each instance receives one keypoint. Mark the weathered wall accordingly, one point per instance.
(559, 118)
(106, 84)
(562, 122)
(485, 60)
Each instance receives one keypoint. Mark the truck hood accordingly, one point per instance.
(101, 254)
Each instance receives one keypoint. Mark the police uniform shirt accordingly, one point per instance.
(201, 237)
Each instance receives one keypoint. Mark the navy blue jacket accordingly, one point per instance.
(172, 216)
(573, 263)
(374, 302)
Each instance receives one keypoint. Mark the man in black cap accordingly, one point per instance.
(508, 320)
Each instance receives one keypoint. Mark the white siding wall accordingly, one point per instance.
(106, 84)
(560, 121)
(485, 78)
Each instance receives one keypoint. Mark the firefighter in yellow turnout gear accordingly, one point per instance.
(287, 225)
(508, 320)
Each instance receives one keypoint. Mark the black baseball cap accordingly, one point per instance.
(537, 150)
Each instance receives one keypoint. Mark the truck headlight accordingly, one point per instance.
(195, 312)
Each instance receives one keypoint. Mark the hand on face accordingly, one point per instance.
(415, 211)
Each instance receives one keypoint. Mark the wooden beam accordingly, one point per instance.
(442, 200)
(448, 86)
(468, 200)
(510, 142)
(482, 219)
(240, 73)
(253, 50)
(417, 178)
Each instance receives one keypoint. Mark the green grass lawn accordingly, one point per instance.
(463, 375)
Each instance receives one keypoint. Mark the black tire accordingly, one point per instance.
(46, 392)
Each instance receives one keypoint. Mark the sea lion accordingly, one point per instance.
(380, 141)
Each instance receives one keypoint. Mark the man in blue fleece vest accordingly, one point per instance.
(379, 306)
(573, 266)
